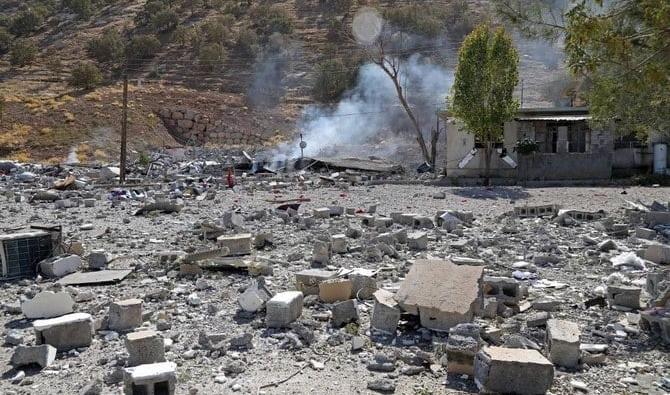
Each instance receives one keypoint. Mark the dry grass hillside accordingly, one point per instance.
(251, 63)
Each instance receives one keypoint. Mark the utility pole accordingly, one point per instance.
(521, 106)
(124, 131)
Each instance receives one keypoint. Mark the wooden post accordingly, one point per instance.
(124, 131)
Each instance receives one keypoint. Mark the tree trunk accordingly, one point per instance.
(488, 153)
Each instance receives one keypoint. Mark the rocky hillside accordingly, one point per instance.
(250, 65)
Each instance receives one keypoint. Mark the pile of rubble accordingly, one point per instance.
(196, 284)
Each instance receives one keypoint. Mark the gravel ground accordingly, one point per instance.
(634, 363)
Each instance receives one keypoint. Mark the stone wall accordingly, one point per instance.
(192, 128)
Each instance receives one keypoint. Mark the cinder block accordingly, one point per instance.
(344, 312)
(65, 332)
(145, 347)
(125, 315)
(417, 241)
(307, 281)
(239, 244)
(623, 295)
(512, 371)
(562, 340)
(386, 312)
(150, 379)
(283, 308)
(335, 290)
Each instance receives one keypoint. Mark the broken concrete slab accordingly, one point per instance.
(385, 313)
(125, 315)
(48, 304)
(165, 207)
(512, 370)
(658, 253)
(441, 293)
(43, 355)
(144, 347)
(283, 308)
(60, 266)
(254, 297)
(657, 321)
(65, 333)
(563, 341)
(155, 378)
(97, 277)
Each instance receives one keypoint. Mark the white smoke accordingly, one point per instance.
(372, 107)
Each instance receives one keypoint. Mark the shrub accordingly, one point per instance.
(141, 48)
(165, 20)
(337, 6)
(217, 30)
(23, 52)
(151, 8)
(26, 22)
(247, 41)
(83, 8)
(432, 20)
(108, 48)
(5, 41)
(182, 35)
(272, 19)
(85, 76)
(212, 56)
(332, 79)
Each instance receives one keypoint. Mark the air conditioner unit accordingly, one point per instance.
(21, 252)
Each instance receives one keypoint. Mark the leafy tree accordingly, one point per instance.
(85, 76)
(433, 20)
(140, 49)
(272, 19)
(108, 48)
(333, 78)
(486, 76)
(5, 41)
(182, 35)
(247, 41)
(217, 30)
(23, 52)
(26, 22)
(212, 56)
(165, 20)
(619, 47)
(83, 8)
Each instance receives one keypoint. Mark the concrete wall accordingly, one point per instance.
(459, 143)
(565, 166)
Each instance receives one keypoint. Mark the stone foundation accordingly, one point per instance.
(192, 128)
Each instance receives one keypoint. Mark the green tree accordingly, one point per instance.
(83, 8)
(165, 20)
(621, 50)
(332, 79)
(486, 76)
(26, 22)
(85, 76)
(23, 52)
(141, 49)
(212, 56)
(5, 41)
(108, 48)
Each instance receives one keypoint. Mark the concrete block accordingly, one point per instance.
(536, 211)
(417, 241)
(339, 243)
(449, 222)
(336, 211)
(98, 259)
(150, 379)
(125, 315)
(145, 347)
(43, 355)
(537, 319)
(254, 297)
(323, 212)
(283, 308)
(653, 218)
(562, 340)
(623, 295)
(657, 321)
(48, 304)
(385, 313)
(645, 233)
(382, 222)
(505, 290)
(363, 284)
(66, 332)
(60, 266)
(441, 293)
(89, 203)
(335, 290)
(658, 253)
(307, 281)
(423, 222)
(344, 312)
(321, 252)
(512, 370)
(238, 244)
(462, 346)
(407, 219)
